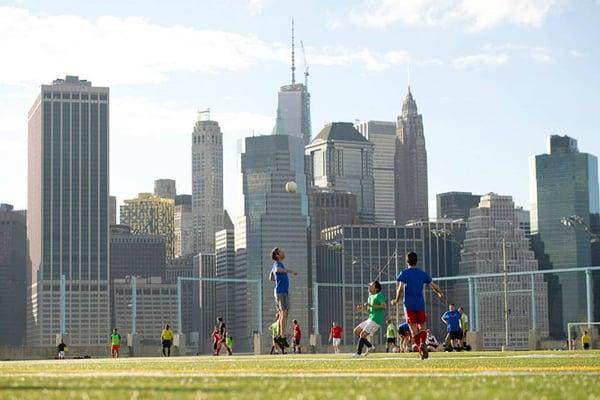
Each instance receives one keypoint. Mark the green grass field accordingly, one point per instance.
(481, 376)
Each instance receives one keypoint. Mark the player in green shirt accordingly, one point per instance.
(375, 306)
(390, 334)
(115, 344)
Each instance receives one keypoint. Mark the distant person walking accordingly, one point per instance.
(296, 337)
(167, 340)
(115, 344)
(279, 275)
(222, 336)
(335, 337)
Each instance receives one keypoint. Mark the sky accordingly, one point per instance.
(491, 78)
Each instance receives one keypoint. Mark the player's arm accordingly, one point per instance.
(399, 291)
(445, 318)
(378, 305)
(436, 288)
(280, 270)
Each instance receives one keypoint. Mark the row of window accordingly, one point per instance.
(75, 96)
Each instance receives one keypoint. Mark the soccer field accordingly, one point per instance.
(482, 376)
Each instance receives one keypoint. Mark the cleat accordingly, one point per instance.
(356, 355)
(423, 352)
(369, 350)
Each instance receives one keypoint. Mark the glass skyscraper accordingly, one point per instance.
(67, 216)
(563, 183)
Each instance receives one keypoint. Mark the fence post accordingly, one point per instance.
(533, 308)
(472, 303)
(316, 308)
(588, 291)
(179, 312)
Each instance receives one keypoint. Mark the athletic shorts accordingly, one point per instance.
(415, 317)
(336, 341)
(586, 346)
(167, 343)
(283, 301)
(296, 341)
(403, 332)
(369, 326)
(391, 340)
(117, 347)
(456, 335)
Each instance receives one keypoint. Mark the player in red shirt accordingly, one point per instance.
(297, 336)
(216, 337)
(335, 337)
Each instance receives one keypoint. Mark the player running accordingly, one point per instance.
(390, 335)
(222, 336)
(412, 280)
(375, 306)
(279, 275)
(297, 335)
(452, 319)
(115, 344)
(335, 337)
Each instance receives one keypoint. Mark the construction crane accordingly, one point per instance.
(305, 65)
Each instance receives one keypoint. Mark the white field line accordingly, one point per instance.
(169, 375)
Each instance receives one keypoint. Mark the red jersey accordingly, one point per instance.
(336, 332)
(216, 336)
(297, 332)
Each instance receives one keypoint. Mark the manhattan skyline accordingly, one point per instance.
(491, 85)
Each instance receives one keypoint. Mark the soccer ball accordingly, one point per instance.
(291, 187)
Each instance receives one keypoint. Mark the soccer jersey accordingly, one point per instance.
(377, 315)
(390, 331)
(297, 332)
(336, 332)
(222, 328)
(585, 339)
(414, 279)
(282, 283)
(115, 339)
(464, 321)
(275, 329)
(167, 334)
(453, 320)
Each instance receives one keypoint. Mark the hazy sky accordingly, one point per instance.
(492, 79)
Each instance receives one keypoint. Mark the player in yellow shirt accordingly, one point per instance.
(585, 341)
(167, 340)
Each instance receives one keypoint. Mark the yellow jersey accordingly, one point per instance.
(167, 334)
(585, 339)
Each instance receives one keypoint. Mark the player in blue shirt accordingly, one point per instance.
(411, 281)
(404, 333)
(279, 275)
(452, 319)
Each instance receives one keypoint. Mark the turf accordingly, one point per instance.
(489, 375)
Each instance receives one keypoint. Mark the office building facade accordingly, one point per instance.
(456, 205)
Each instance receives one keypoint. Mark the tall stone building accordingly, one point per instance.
(564, 183)
(67, 212)
(410, 164)
(207, 183)
(13, 275)
(274, 218)
(490, 224)
(330, 208)
(165, 188)
(225, 305)
(383, 136)
(183, 225)
(341, 159)
(151, 215)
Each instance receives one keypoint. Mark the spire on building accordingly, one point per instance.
(293, 54)
(409, 106)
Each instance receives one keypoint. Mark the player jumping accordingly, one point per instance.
(411, 281)
(375, 306)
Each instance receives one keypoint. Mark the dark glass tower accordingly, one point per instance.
(68, 212)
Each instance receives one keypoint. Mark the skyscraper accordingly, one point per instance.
(410, 164)
(112, 210)
(456, 205)
(293, 106)
(563, 183)
(341, 159)
(275, 218)
(183, 225)
(13, 275)
(383, 136)
(151, 215)
(165, 188)
(67, 215)
(489, 224)
(207, 183)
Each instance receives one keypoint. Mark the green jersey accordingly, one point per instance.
(229, 341)
(115, 339)
(391, 331)
(377, 315)
(275, 329)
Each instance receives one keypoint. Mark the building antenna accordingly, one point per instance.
(293, 60)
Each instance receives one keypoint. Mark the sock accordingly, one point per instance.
(361, 344)
(367, 343)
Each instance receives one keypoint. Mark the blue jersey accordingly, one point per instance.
(403, 327)
(282, 284)
(414, 280)
(453, 320)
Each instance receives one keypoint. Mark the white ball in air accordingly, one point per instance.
(291, 187)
